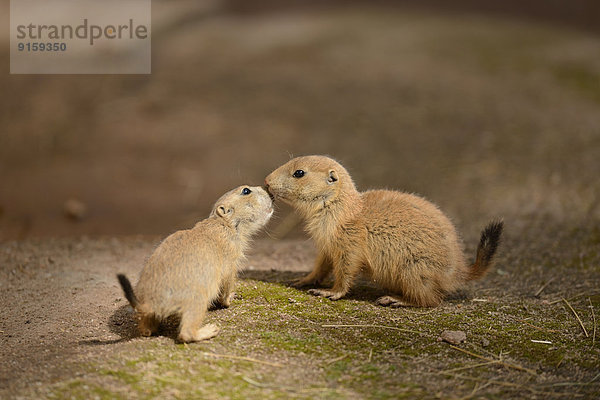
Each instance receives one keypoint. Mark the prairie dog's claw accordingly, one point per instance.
(326, 293)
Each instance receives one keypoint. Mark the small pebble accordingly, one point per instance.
(453, 337)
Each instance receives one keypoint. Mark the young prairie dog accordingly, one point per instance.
(192, 269)
(402, 242)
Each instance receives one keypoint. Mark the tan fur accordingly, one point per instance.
(402, 242)
(192, 269)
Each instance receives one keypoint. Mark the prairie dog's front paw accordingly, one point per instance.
(303, 282)
(331, 295)
(208, 331)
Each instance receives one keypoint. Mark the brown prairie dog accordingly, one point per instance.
(402, 242)
(192, 269)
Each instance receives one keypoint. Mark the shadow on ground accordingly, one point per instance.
(123, 322)
(362, 290)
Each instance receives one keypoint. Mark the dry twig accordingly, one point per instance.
(241, 358)
(283, 388)
(476, 389)
(470, 366)
(254, 383)
(514, 385)
(501, 362)
(537, 327)
(594, 321)
(577, 316)
(576, 383)
(574, 297)
(337, 359)
(539, 291)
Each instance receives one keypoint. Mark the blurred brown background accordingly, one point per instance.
(486, 108)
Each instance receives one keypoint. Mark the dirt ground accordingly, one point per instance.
(67, 332)
(486, 116)
(83, 316)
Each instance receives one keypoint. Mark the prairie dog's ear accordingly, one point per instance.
(333, 177)
(224, 211)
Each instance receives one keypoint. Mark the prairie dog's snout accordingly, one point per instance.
(264, 202)
(247, 207)
(265, 197)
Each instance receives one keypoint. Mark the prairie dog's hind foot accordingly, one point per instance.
(208, 331)
(330, 294)
(148, 324)
(397, 302)
(223, 302)
(392, 302)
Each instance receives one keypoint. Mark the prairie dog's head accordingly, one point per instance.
(246, 208)
(310, 183)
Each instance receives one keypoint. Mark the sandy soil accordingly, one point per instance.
(63, 311)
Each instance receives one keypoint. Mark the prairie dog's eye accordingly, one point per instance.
(246, 191)
(298, 173)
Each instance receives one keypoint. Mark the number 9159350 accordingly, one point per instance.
(35, 46)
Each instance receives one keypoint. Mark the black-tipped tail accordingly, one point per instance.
(128, 290)
(488, 244)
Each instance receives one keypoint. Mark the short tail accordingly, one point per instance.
(488, 244)
(128, 290)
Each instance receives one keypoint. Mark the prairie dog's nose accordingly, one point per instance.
(266, 187)
(269, 178)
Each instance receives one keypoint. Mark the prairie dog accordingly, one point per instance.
(400, 241)
(191, 269)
